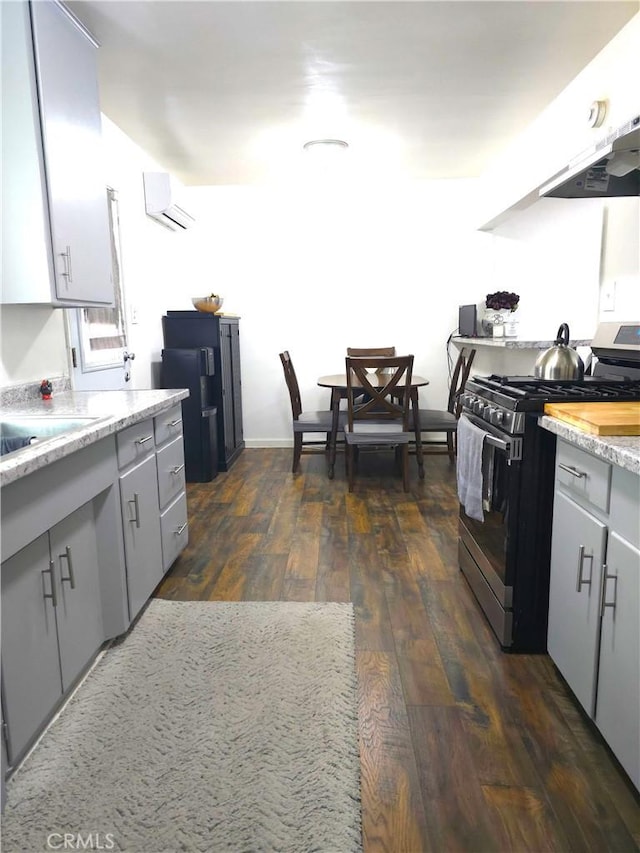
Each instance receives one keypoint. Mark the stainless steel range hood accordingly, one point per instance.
(610, 169)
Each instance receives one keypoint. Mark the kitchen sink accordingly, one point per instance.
(15, 431)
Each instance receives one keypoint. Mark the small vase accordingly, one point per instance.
(493, 322)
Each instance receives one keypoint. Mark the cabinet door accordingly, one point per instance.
(577, 555)
(71, 127)
(79, 612)
(141, 523)
(226, 362)
(30, 666)
(237, 385)
(618, 707)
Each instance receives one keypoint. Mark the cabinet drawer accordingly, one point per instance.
(175, 532)
(170, 471)
(134, 442)
(168, 425)
(583, 476)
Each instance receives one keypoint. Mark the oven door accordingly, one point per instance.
(488, 549)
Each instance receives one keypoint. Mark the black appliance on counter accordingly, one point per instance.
(506, 558)
(186, 330)
(468, 321)
(194, 369)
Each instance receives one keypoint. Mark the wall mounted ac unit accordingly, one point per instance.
(160, 203)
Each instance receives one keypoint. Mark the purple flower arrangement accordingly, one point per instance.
(502, 300)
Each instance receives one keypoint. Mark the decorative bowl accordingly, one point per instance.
(210, 304)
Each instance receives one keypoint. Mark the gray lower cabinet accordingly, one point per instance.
(141, 531)
(51, 623)
(153, 501)
(594, 596)
(576, 557)
(618, 706)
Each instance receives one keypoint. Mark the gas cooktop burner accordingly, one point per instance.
(588, 389)
(529, 394)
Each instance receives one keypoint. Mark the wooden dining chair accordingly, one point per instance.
(306, 422)
(446, 421)
(365, 352)
(382, 419)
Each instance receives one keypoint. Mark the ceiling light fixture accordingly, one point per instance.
(325, 144)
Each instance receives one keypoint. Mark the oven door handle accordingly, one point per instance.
(512, 445)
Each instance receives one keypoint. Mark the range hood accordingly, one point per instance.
(610, 169)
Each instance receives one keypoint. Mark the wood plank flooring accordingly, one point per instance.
(463, 747)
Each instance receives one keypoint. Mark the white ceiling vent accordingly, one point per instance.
(160, 201)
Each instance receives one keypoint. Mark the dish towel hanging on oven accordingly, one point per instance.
(470, 444)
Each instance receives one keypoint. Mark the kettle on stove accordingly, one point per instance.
(559, 361)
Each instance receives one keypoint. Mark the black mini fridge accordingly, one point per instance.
(194, 369)
(185, 329)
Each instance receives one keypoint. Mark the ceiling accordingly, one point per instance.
(227, 92)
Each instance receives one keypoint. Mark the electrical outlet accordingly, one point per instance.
(608, 302)
(133, 313)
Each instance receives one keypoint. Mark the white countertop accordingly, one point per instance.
(113, 410)
(621, 450)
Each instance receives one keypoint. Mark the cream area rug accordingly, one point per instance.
(213, 727)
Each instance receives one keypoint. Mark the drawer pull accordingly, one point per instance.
(581, 558)
(174, 423)
(181, 529)
(67, 265)
(573, 471)
(608, 577)
(177, 469)
(144, 439)
(136, 519)
(52, 594)
(71, 579)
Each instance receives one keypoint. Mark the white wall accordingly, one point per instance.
(33, 344)
(620, 268)
(315, 271)
(155, 261)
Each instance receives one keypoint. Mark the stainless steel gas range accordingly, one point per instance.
(505, 558)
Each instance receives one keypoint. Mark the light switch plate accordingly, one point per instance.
(608, 302)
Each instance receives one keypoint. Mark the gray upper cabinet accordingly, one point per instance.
(55, 215)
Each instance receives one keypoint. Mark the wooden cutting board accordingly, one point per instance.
(598, 418)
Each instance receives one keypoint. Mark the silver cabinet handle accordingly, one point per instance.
(71, 579)
(136, 519)
(144, 439)
(52, 595)
(608, 577)
(67, 264)
(581, 558)
(174, 423)
(573, 471)
(177, 469)
(181, 529)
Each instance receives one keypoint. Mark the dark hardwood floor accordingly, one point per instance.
(463, 747)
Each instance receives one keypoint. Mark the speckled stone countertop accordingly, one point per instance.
(621, 450)
(112, 410)
(513, 343)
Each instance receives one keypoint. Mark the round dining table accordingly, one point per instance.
(337, 382)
